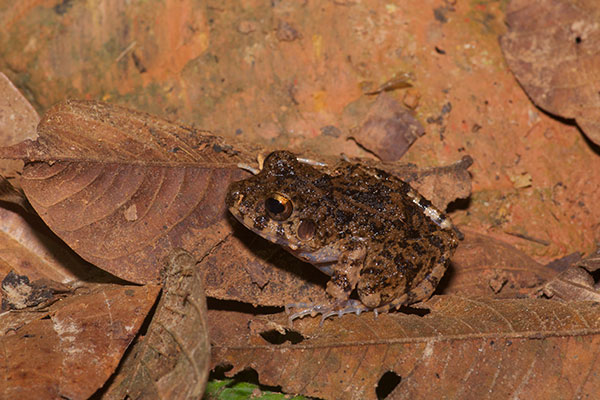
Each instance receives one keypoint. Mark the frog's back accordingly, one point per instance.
(379, 206)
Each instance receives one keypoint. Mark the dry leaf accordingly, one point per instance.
(465, 348)
(91, 131)
(71, 350)
(172, 360)
(575, 282)
(483, 266)
(388, 129)
(29, 248)
(247, 268)
(122, 188)
(442, 185)
(10, 194)
(18, 120)
(592, 262)
(552, 48)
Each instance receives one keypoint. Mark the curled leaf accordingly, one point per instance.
(171, 361)
(552, 48)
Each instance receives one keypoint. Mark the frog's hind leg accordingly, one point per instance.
(408, 272)
(421, 292)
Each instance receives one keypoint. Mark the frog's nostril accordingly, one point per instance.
(238, 198)
(233, 198)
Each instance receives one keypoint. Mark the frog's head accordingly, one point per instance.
(284, 203)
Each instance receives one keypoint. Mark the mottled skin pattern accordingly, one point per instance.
(367, 229)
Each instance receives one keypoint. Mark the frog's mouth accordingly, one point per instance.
(324, 255)
(323, 259)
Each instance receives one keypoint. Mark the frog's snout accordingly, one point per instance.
(234, 196)
(233, 202)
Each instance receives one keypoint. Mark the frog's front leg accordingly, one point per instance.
(345, 274)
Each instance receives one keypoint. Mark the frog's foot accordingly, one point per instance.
(339, 308)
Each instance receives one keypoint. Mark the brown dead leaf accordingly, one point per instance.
(247, 268)
(18, 120)
(123, 188)
(388, 129)
(172, 360)
(443, 185)
(11, 194)
(71, 350)
(29, 248)
(591, 263)
(91, 131)
(552, 48)
(487, 267)
(468, 347)
(575, 282)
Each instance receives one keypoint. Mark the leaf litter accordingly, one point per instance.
(81, 197)
(73, 347)
(75, 175)
(512, 277)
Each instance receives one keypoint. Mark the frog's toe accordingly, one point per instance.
(300, 310)
(338, 308)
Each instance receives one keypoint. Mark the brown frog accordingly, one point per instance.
(367, 229)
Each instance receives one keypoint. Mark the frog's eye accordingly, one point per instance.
(278, 207)
(306, 229)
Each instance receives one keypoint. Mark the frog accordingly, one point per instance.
(381, 243)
